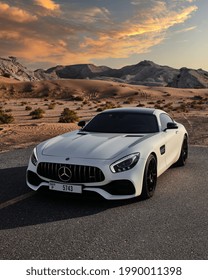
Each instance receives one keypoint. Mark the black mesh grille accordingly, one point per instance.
(79, 173)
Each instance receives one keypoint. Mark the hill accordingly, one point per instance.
(12, 69)
(145, 73)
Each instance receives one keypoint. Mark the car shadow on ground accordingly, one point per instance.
(43, 207)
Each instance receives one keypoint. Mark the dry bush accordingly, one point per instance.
(28, 108)
(37, 113)
(106, 106)
(5, 118)
(68, 116)
(51, 106)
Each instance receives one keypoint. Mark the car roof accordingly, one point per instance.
(138, 110)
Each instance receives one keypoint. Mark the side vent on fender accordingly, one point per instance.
(162, 150)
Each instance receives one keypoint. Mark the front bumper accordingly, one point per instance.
(122, 185)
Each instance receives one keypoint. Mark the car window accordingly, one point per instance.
(164, 119)
(123, 123)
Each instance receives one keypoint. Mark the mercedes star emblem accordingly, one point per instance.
(64, 174)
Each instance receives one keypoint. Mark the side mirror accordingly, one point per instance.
(81, 123)
(171, 125)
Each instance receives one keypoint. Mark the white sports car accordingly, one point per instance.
(118, 154)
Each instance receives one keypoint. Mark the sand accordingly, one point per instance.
(86, 97)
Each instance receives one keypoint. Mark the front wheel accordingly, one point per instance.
(150, 178)
(184, 153)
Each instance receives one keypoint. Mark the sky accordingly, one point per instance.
(115, 33)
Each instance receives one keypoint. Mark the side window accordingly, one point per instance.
(164, 119)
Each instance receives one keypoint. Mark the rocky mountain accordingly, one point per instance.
(11, 68)
(78, 71)
(143, 73)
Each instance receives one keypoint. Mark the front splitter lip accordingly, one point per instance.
(97, 190)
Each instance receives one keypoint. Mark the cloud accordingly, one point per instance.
(12, 35)
(47, 4)
(80, 35)
(186, 29)
(15, 14)
(135, 35)
(92, 15)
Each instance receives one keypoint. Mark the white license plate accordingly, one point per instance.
(65, 187)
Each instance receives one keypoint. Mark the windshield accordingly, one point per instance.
(123, 123)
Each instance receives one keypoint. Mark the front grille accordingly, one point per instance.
(79, 173)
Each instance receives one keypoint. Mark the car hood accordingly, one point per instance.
(90, 145)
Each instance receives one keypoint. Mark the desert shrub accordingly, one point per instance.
(92, 93)
(28, 108)
(141, 105)
(8, 110)
(6, 75)
(78, 98)
(200, 102)
(28, 87)
(68, 116)
(37, 113)
(168, 104)
(5, 118)
(157, 106)
(3, 87)
(51, 106)
(197, 97)
(85, 102)
(126, 102)
(166, 94)
(129, 100)
(106, 106)
(100, 109)
(23, 103)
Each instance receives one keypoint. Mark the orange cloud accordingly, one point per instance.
(82, 35)
(40, 49)
(162, 20)
(47, 4)
(108, 47)
(12, 35)
(15, 14)
(134, 38)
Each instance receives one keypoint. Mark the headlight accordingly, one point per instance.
(125, 163)
(34, 157)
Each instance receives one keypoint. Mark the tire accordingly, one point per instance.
(150, 178)
(184, 153)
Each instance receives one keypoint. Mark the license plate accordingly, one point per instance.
(65, 187)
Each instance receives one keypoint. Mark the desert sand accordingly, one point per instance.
(87, 98)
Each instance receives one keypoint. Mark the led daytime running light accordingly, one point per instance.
(125, 163)
(34, 158)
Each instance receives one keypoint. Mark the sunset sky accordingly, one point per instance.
(45, 33)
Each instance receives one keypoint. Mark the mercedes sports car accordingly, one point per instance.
(119, 154)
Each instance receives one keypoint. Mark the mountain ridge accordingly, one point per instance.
(143, 73)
